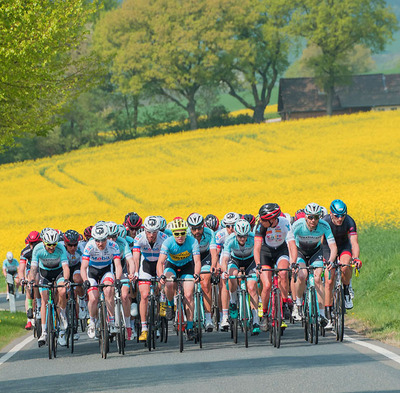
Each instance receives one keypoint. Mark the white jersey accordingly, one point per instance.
(100, 258)
(275, 237)
(142, 245)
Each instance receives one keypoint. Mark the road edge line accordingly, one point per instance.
(15, 349)
(375, 348)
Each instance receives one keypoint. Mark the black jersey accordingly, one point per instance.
(342, 232)
(26, 256)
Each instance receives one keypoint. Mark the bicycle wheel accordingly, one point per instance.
(118, 324)
(199, 321)
(314, 313)
(56, 331)
(278, 319)
(215, 306)
(49, 314)
(150, 324)
(306, 318)
(235, 330)
(71, 324)
(245, 318)
(164, 329)
(339, 313)
(103, 330)
(179, 310)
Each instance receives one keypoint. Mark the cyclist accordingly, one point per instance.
(51, 259)
(238, 253)
(128, 270)
(74, 254)
(250, 219)
(32, 240)
(228, 223)
(146, 251)
(97, 263)
(180, 257)
(274, 246)
(209, 257)
(212, 222)
(308, 233)
(132, 223)
(10, 266)
(344, 231)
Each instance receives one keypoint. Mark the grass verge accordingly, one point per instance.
(11, 326)
(376, 311)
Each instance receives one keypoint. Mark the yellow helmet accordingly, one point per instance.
(179, 224)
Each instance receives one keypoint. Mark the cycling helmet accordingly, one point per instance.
(269, 211)
(313, 209)
(211, 222)
(43, 232)
(195, 220)
(33, 237)
(299, 214)
(324, 211)
(50, 236)
(163, 223)
(71, 237)
(179, 225)
(112, 228)
(250, 219)
(338, 207)
(230, 218)
(121, 231)
(242, 227)
(10, 256)
(151, 224)
(133, 221)
(100, 231)
(88, 232)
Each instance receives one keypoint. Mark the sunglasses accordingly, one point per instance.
(73, 245)
(313, 218)
(53, 245)
(229, 226)
(177, 234)
(339, 215)
(242, 236)
(197, 228)
(101, 241)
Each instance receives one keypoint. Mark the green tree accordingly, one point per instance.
(38, 74)
(260, 52)
(336, 27)
(165, 47)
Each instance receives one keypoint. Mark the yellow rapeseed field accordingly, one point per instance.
(238, 168)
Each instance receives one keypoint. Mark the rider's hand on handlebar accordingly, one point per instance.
(357, 263)
(86, 285)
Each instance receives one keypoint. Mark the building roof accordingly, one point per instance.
(303, 95)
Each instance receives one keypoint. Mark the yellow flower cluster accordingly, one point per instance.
(238, 168)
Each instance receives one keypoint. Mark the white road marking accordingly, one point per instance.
(14, 350)
(375, 348)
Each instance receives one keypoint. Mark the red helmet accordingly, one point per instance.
(88, 232)
(269, 211)
(33, 237)
(250, 219)
(299, 214)
(133, 221)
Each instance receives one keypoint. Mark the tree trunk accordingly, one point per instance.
(330, 93)
(135, 113)
(258, 114)
(191, 109)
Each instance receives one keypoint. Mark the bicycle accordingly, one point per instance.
(244, 310)
(215, 279)
(180, 317)
(52, 318)
(10, 280)
(37, 319)
(311, 308)
(275, 308)
(72, 316)
(119, 321)
(103, 326)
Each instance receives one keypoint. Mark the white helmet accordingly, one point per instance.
(163, 222)
(100, 231)
(324, 212)
(242, 227)
(195, 220)
(10, 256)
(151, 224)
(313, 209)
(230, 218)
(112, 228)
(50, 236)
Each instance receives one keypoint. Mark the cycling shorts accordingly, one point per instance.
(249, 264)
(76, 269)
(271, 256)
(184, 271)
(96, 276)
(147, 270)
(314, 259)
(205, 261)
(48, 276)
(343, 249)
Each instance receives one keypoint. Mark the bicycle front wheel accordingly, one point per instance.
(245, 317)
(179, 310)
(339, 313)
(103, 330)
(49, 328)
(314, 311)
(150, 324)
(278, 319)
(56, 331)
(199, 321)
(215, 307)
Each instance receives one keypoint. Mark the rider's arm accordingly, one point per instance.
(355, 248)
(66, 271)
(257, 250)
(292, 251)
(118, 268)
(197, 264)
(160, 264)
(136, 260)
(224, 263)
(214, 258)
(131, 265)
(84, 266)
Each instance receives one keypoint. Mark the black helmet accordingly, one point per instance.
(71, 237)
(133, 221)
(211, 222)
(269, 211)
(250, 219)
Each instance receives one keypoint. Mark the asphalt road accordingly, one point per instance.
(221, 366)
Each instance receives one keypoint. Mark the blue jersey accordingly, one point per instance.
(307, 240)
(11, 267)
(180, 255)
(49, 261)
(207, 241)
(124, 250)
(130, 241)
(233, 249)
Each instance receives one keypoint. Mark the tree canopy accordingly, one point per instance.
(40, 68)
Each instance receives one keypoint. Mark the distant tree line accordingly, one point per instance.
(98, 71)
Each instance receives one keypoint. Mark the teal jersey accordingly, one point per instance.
(124, 248)
(177, 254)
(49, 261)
(207, 241)
(233, 249)
(11, 267)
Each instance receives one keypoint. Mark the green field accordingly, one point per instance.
(11, 326)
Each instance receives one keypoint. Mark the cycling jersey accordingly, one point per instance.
(124, 250)
(11, 267)
(308, 241)
(49, 261)
(233, 249)
(129, 239)
(342, 232)
(274, 237)
(178, 254)
(74, 259)
(207, 242)
(100, 258)
(26, 256)
(142, 245)
(220, 238)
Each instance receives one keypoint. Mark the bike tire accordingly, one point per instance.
(118, 322)
(104, 331)
(340, 314)
(278, 318)
(73, 319)
(199, 321)
(235, 330)
(179, 310)
(56, 332)
(49, 314)
(245, 318)
(164, 330)
(314, 310)
(215, 307)
(150, 324)
(305, 319)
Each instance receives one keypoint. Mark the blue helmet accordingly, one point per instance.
(338, 207)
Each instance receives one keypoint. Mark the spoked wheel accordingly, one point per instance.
(104, 336)
(50, 328)
(306, 320)
(215, 308)
(339, 313)
(164, 330)
(235, 330)
(245, 320)
(179, 310)
(314, 310)
(198, 322)
(150, 325)
(72, 325)
(278, 319)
